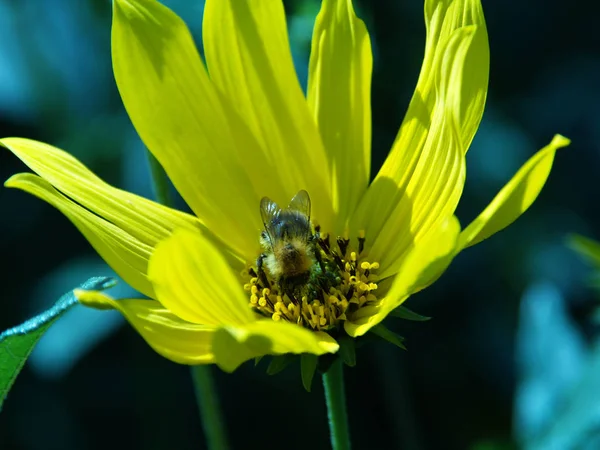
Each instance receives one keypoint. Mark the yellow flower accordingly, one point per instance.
(241, 128)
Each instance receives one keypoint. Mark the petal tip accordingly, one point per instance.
(560, 141)
(94, 299)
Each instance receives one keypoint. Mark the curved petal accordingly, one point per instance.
(234, 345)
(463, 67)
(339, 95)
(422, 265)
(248, 58)
(144, 219)
(182, 120)
(126, 254)
(437, 182)
(515, 197)
(167, 334)
(192, 278)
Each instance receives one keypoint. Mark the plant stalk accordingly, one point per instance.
(202, 377)
(333, 384)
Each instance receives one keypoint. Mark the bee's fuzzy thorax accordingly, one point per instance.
(290, 258)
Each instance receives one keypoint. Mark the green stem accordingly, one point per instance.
(210, 409)
(333, 383)
(204, 385)
(160, 181)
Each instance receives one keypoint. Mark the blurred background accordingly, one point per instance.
(511, 357)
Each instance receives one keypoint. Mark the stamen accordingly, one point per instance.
(361, 241)
(341, 281)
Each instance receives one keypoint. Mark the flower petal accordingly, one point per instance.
(125, 253)
(167, 334)
(183, 121)
(421, 266)
(248, 58)
(192, 278)
(437, 182)
(233, 345)
(339, 95)
(144, 219)
(452, 87)
(515, 197)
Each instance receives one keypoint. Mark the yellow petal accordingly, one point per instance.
(183, 121)
(192, 278)
(339, 94)
(474, 78)
(167, 334)
(437, 182)
(248, 58)
(452, 86)
(422, 265)
(233, 345)
(515, 197)
(142, 218)
(126, 254)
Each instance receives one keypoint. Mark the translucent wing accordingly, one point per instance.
(269, 211)
(300, 203)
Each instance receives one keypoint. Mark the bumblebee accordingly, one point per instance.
(289, 245)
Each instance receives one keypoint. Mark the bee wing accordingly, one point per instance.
(269, 210)
(301, 203)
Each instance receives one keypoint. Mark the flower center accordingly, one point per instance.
(334, 282)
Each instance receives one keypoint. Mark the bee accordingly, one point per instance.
(288, 242)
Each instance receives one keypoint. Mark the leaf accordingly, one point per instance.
(347, 351)
(16, 344)
(587, 248)
(384, 333)
(402, 312)
(308, 365)
(280, 362)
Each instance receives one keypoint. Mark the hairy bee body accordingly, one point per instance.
(288, 243)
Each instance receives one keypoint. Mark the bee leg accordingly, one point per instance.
(262, 276)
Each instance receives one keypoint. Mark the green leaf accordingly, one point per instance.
(16, 344)
(258, 359)
(347, 351)
(308, 365)
(384, 333)
(587, 248)
(402, 312)
(280, 362)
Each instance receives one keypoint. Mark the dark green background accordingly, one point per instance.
(455, 387)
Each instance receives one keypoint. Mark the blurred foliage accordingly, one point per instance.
(487, 372)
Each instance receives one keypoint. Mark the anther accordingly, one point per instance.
(342, 244)
(361, 241)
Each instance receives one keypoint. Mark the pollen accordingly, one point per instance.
(341, 281)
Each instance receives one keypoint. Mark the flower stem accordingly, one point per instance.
(333, 383)
(160, 181)
(210, 409)
(204, 385)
